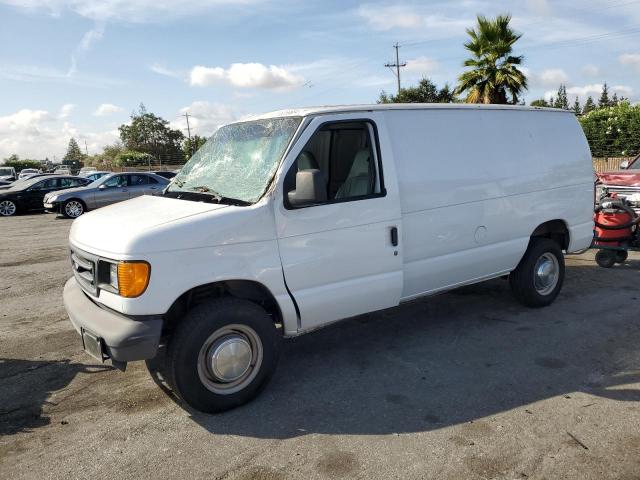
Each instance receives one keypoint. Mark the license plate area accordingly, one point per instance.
(93, 345)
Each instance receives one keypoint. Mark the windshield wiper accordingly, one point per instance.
(204, 191)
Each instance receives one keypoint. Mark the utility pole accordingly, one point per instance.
(397, 65)
(86, 150)
(186, 114)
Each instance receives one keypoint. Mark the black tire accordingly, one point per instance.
(605, 258)
(8, 208)
(191, 377)
(621, 256)
(73, 208)
(524, 280)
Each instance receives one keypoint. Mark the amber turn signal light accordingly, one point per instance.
(133, 278)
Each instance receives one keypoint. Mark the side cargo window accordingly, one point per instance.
(346, 155)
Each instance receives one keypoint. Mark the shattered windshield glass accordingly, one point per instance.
(238, 161)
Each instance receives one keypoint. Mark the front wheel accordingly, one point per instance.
(222, 354)
(73, 208)
(8, 208)
(538, 278)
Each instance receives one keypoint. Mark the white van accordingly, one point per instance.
(293, 220)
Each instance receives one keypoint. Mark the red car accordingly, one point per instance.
(629, 176)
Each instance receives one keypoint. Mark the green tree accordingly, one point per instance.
(614, 131)
(191, 146)
(131, 158)
(541, 102)
(561, 100)
(74, 154)
(589, 105)
(604, 97)
(493, 75)
(576, 106)
(151, 134)
(425, 92)
(20, 164)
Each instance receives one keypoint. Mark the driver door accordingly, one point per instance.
(113, 190)
(341, 257)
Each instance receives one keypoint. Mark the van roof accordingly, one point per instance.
(320, 110)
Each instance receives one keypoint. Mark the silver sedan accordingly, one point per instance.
(107, 190)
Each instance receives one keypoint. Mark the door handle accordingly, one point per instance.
(394, 236)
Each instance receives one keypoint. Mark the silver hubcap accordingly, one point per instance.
(73, 209)
(546, 274)
(7, 208)
(230, 359)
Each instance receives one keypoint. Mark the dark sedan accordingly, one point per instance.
(29, 194)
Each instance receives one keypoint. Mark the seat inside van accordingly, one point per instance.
(343, 153)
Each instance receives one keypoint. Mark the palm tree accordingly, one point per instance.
(494, 70)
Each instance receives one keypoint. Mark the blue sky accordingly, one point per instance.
(79, 67)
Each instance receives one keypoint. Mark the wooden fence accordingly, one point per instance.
(607, 164)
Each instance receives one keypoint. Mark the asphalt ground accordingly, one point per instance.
(464, 385)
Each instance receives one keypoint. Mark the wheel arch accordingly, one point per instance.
(250, 290)
(556, 230)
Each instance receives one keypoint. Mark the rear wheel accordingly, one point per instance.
(222, 354)
(8, 208)
(606, 258)
(621, 256)
(73, 208)
(538, 278)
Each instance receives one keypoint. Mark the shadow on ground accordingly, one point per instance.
(447, 360)
(22, 402)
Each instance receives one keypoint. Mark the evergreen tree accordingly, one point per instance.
(604, 97)
(589, 106)
(614, 99)
(576, 107)
(561, 100)
(74, 154)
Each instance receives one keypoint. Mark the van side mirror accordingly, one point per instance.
(102, 187)
(310, 189)
(624, 165)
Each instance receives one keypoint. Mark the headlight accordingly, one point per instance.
(126, 278)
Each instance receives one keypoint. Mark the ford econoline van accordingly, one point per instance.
(289, 221)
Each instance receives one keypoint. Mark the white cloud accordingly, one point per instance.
(390, 17)
(553, 76)
(88, 39)
(167, 72)
(421, 65)
(39, 134)
(135, 11)
(246, 75)
(631, 59)
(106, 109)
(37, 73)
(539, 7)
(591, 70)
(66, 109)
(204, 117)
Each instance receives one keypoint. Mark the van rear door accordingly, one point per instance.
(342, 257)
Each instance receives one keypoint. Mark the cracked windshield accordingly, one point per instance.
(238, 160)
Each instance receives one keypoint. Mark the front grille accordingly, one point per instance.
(85, 270)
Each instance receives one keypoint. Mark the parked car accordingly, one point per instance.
(62, 171)
(28, 194)
(22, 180)
(8, 174)
(165, 173)
(625, 181)
(84, 171)
(268, 233)
(93, 176)
(27, 172)
(109, 189)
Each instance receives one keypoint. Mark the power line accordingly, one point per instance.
(397, 65)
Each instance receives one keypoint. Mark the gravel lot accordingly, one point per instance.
(463, 385)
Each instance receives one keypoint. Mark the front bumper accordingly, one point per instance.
(53, 207)
(124, 339)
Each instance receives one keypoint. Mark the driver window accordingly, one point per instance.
(117, 181)
(344, 152)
